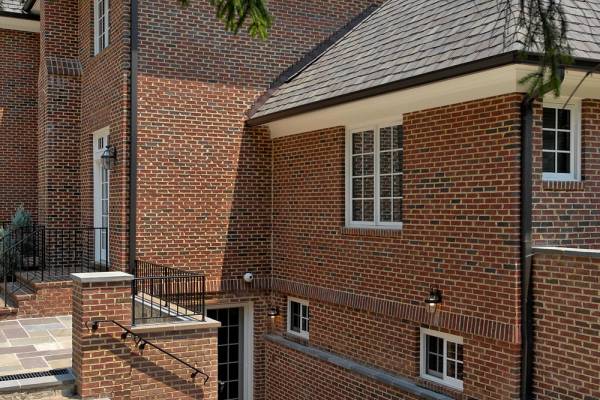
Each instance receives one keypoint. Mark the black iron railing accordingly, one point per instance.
(37, 254)
(142, 342)
(161, 293)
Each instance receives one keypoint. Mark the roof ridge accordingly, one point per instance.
(312, 56)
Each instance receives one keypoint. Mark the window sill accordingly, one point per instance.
(376, 231)
(563, 186)
(439, 387)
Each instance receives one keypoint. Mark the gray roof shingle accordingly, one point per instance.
(407, 38)
(15, 8)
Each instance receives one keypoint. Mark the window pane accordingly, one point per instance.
(549, 118)
(548, 163)
(304, 325)
(368, 210)
(563, 163)
(397, 185)
(460, 352)
(386, 210)
(233, 353)
(304, 311)
(368, 188)
(397, 210)
(385, 186)
(368, 142)
(397, 161)
(451, 351)
(385, 139)
(397, 133)
(432, 363)
(549, 143)
(563, 141)
(357, 210)
(356, 143)
(451, 369)
(564, 119)
(357, 187)
(459, 371)
(357, 166)
(385, 163)
(368, 164)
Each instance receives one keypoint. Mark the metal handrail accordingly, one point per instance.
(166, 292)
(141, 342)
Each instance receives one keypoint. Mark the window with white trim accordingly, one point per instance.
(374, 158)
(442, 358)
(298, 317)
(560, 143)
(101, 25)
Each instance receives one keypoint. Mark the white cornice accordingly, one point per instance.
(488, 83)
(19, 24)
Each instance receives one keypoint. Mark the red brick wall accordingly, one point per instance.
(18, 121)
(296, 376)
(105, 102)
(59, 116)
(567, 341)
(461, 208)
(568, 214)
(204, 180)
(461, 232)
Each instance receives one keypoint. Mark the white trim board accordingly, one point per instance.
(19, 24)
(391, 106)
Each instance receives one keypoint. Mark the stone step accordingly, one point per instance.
(58, 384)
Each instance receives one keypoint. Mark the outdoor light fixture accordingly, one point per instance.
(141, 345)
(273, 312)
(109, 157)
(434, 298)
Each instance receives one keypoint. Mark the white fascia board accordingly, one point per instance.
(19, 24)
(479, 85)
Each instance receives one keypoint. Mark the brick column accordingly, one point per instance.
(101, 361)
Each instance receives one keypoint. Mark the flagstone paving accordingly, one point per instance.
(35, 344)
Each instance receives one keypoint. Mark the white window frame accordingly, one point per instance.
(97, 195)
(375, 127)
(106, 23)
(575, 137)
(302, 334)
(446, 380)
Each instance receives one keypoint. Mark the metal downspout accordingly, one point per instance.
(133, 136)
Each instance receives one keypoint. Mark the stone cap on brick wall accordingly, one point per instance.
(567, 251)
(99, 277)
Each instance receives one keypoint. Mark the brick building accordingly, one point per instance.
(364, 157)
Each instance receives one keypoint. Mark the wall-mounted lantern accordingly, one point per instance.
(109, 157)
(273, 312)
(434, 299)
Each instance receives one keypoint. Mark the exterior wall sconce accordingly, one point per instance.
(273, 312)
(434, 299)
(109, 157)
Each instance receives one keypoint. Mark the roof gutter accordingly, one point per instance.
(446, 73)
(133, 105)
(31, 17)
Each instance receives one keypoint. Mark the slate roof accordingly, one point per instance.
(14, 8)
(404, 39)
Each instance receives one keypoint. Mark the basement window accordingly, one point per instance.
(374, 158)
(298, 317)
(101, 25)
(442, 358)
(560, 143)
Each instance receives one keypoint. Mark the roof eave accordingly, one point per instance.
(31, 17)
(446, 73)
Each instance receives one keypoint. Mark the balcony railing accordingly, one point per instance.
(37, 254)
(161, 294)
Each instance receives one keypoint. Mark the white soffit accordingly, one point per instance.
(19, 24)
(492, 82)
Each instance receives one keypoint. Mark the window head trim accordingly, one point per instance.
(304, 334)
(574, 106)
(445, 380)
(375, 126)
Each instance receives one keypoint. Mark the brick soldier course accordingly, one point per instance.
(242, 167)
